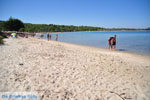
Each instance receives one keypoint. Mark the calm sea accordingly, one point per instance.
(131, 41)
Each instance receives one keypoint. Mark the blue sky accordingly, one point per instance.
(101, 13)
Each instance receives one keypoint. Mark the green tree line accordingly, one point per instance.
(17, 25)
(57, 28)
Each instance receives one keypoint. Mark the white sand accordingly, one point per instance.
(62, 71)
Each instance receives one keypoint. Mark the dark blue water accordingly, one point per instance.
(132, 41)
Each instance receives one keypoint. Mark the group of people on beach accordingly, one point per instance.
(49, 36)
(112, 42)
(17, 35)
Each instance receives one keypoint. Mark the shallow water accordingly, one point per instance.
(132, 41)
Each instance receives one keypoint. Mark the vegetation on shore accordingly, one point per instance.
(1, 38)
(17, 25)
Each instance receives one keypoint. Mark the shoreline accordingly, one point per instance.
(100, 49)
(116, 50)
(128, 48)
(58, 70)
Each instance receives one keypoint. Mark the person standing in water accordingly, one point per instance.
(110, 42)
(42, 36)
(56, 37)
(48, 37)
(114, 42)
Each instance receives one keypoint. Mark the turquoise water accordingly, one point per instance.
(132, 41)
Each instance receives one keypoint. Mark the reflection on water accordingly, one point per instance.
(132, 41)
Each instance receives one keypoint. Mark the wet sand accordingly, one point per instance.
(63, 71)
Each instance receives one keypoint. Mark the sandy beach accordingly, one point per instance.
(63, 71)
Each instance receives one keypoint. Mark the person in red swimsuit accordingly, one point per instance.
(110, 42)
